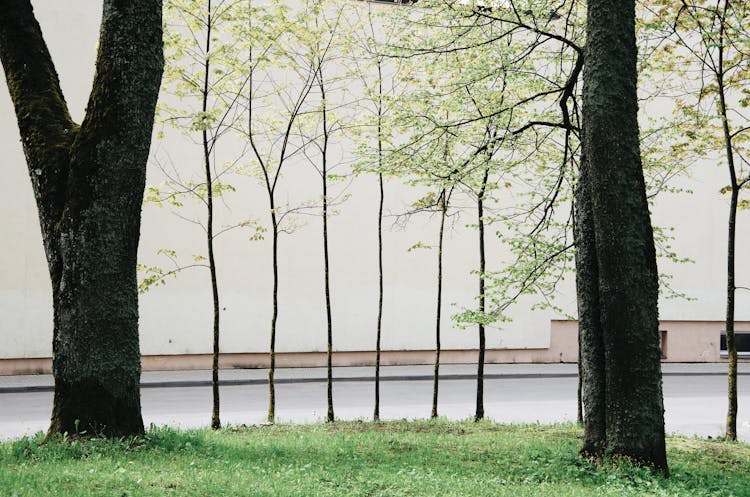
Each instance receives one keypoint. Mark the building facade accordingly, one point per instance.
(176, 317)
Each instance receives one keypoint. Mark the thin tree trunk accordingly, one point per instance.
(326, 264)
(270, 180)
(376, 414)
(274, 316)
(731, 427)
(271, 193)
(379, 325)
(215, 418)
(439, 305)
(479, 414)
(88, 182)
(626, 257)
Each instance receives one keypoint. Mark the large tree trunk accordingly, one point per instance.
(590, 340)
(88, 183)
(626, 259)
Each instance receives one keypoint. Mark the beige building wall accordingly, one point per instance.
(682, 341)
(176, 318)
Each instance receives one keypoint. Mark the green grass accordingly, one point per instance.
(360, 459)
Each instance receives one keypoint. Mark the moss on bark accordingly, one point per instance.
(592, 367)
(626, 259)
(88, 183)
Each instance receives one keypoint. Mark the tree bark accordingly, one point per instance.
(579, 390)
(626, 258)
(591, 345)
(88, 183)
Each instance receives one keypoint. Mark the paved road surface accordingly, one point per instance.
(695, 401)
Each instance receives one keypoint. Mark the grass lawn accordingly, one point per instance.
(417, 458)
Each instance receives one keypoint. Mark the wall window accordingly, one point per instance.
(741, 339)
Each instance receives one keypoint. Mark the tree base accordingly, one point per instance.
(88, 407)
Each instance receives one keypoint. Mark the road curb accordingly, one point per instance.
(351, 379)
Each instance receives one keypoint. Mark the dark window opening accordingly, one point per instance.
(741, 341)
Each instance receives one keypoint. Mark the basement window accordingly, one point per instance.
(741, 340)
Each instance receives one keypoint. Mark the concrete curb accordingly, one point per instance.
(352, 379)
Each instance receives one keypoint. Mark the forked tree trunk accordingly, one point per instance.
(88, 183)
(271, 174)
(626, 258)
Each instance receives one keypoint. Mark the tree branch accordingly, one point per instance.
(46, 127)
(116, 133)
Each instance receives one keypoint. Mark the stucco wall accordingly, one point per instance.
(176, 318)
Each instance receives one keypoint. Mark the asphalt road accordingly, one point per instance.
(694, 404)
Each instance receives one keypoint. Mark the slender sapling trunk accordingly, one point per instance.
(439, 304)
(479, 414)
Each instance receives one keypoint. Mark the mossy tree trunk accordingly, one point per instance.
(579, 391)
(88, 183)
(590, 340)
(626, 258)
